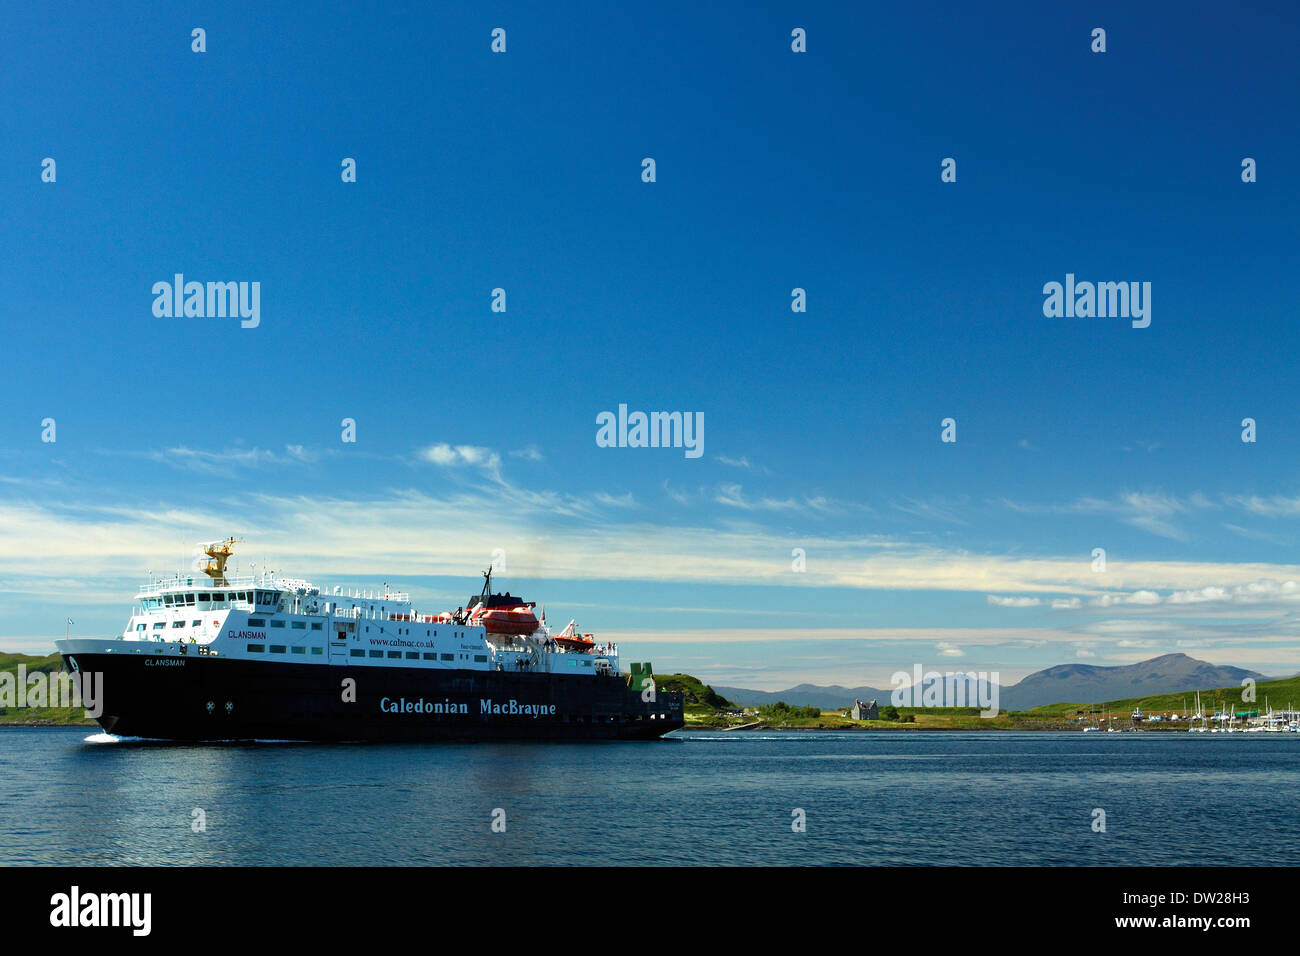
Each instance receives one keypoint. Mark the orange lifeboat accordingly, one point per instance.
(508, 620)
(571, 640)
(577, 642)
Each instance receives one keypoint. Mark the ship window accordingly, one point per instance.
(448, 657)
(316, 651)
(255, 648)
(277, 648)
(357, 652)
(218, 597)
(189, 599)
(178, 623)
(316, 625)
(412, 655)
(195, 623)
(430, 657)
(277, 623)
(160, 625)
(298, 625)
(395, 655)
(257, 622)
(204, 597)
(376, 653)
(300, 650)
(480, 658)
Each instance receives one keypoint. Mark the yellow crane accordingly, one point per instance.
(219, 552)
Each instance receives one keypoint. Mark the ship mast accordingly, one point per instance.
(219, 552)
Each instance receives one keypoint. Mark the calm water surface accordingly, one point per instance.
(697, 798)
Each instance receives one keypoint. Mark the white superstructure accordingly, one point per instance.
(270, 617)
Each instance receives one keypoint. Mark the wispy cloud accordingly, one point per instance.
(1274, 506)
(1153, 512)
(229, 460)
(456, 456)
(997, 601)
(741, 462)
(933, 509)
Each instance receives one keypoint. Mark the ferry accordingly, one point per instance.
(205, 656)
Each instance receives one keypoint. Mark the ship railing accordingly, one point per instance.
(176, 581)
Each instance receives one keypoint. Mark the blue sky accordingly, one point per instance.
(775, 170)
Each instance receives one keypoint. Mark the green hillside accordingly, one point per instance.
(37, 715)
(695, 692)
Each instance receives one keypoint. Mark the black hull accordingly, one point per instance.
(208, 698)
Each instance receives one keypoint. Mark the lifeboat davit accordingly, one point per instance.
(508, 620)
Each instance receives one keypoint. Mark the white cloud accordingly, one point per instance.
(227, 461)
(452, 456)
(997, 601)
(742, 462)
(1274, 506)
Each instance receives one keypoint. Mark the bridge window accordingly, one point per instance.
(204, 597)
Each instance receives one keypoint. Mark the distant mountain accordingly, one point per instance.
(806, 695)
(1082, 683)
(1088, 683)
